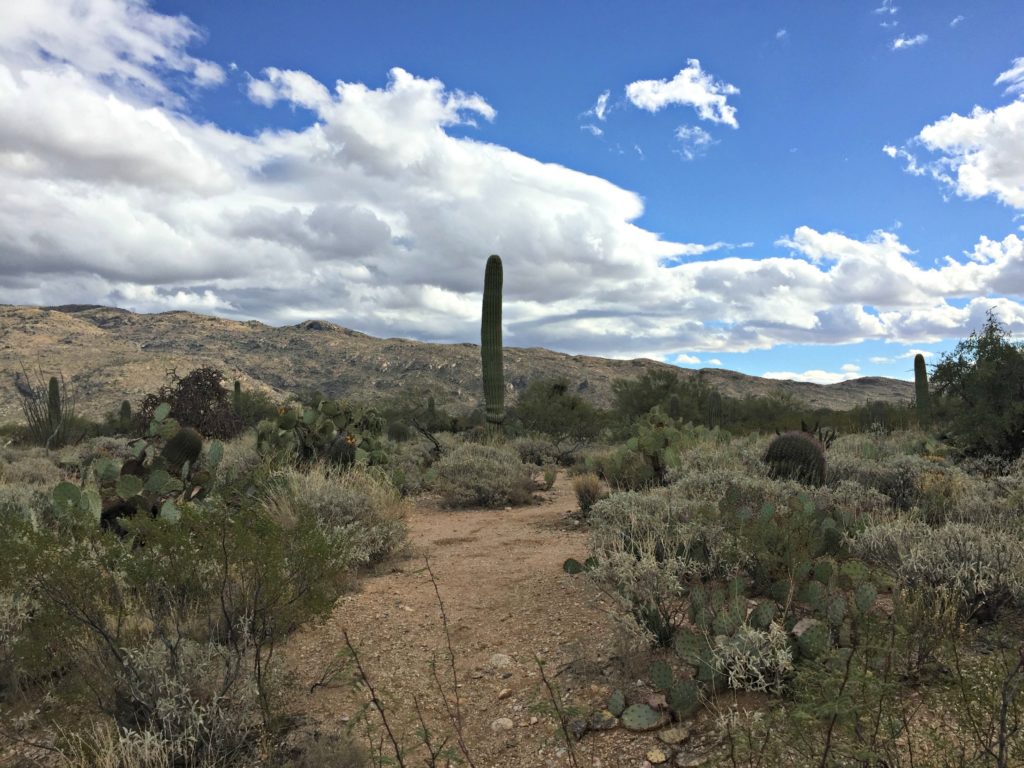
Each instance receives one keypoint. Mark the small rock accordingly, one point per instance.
(673, 736)
(656, 756)
(534, 720)
(504, 693)
(577, 727)
(603, 720)
(502, 724)
(501, 661)
(657, 701)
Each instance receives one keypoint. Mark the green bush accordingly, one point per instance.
(473, 474)
(980, 384)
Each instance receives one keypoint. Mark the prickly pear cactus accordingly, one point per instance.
(835, 612)
(864, 597)
(796, 456)
(763, 615)
(683, 698)
(640, 717)
(812, 638)
(334, 431)
(617, 703)
(661, 675)
(689, 646)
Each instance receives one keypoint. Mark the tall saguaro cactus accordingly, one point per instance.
(490, 343)
(53, 404)
(921, 391)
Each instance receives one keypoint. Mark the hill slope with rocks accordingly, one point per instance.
(110, 354)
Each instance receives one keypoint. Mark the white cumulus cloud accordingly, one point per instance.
(977, 154)
(691, 86)
(903, 42)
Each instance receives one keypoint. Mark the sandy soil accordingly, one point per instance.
(499, 573)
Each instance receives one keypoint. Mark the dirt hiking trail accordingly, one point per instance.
(507, 599)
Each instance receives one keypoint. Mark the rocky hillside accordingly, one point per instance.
(111, 354)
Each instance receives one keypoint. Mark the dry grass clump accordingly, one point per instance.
(588, 490)
(473, 474)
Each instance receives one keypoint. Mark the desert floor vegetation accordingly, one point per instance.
(663, 585)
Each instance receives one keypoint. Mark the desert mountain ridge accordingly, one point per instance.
(110, 354)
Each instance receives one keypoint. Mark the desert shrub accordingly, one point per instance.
(753, 659)
(550, 475)
(398, 431)
(198, 400)
(926, 621)
(549, 407)
(409, 466)
(357, 510)
(941, 493)
(898, 477)
(32, 470)
(622, 469)
(485, 475)
(253, 405)
(852, 501)
(984, 569)
(588, 490)
(174, 641)
(23, 504)
(647, 548)
(535, 450)
(98, 447)
(241, 460)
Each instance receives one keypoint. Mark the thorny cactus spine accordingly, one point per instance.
(797, 456)
(921, 390)
(490, 343)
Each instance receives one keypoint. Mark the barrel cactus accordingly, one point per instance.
(490, 343)
(796, 456)
(185, 445)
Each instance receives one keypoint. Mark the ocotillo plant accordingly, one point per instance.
(48, 410)
(490, 343)
(921, 390)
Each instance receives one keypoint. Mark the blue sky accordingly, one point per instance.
(773, 189)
